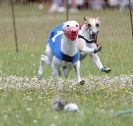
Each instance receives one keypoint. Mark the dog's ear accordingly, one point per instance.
(98, 19)
(85, 19)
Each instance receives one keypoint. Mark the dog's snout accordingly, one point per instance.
(74, 30)
(71, 33)
(93, 33)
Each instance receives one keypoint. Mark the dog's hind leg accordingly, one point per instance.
(66, 70)
(43, 61)
(96, 60)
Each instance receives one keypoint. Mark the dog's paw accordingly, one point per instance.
(98, 49)
(39, 76)
(82, 82)
(106, 69)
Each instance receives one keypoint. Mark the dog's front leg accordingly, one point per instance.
(55, 72)
(95, 57)
(77, 69)
(97, 61)
(82, 45)
(88, 50)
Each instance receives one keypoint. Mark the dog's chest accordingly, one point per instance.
(69, 48)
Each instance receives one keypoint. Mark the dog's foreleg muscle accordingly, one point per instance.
(88, 50)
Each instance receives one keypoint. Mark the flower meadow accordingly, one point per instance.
(104, 100)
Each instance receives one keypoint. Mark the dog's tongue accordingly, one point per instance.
(73, 37)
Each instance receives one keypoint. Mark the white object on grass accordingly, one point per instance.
(71, 107)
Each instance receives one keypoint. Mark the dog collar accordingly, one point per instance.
(87, 41)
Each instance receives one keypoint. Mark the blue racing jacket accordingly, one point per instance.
(55, 44)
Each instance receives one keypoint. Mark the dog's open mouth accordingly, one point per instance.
(71, 33)
(74, 35)
(93, 36)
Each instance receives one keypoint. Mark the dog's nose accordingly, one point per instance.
(93, 33)
(74, 29)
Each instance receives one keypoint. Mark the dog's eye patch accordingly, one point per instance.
(97, 25)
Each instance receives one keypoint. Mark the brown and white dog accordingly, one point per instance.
(87, 41)
(62, 51)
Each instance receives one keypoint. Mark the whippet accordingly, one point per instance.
(62, 51)
(87, 41)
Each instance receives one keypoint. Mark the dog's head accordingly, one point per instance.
(71, 29)
(92, 26)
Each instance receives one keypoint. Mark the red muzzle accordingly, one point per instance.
(71, 33)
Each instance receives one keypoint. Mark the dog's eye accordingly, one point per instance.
(97, 25)
(77, 26)
(89, 25)
(67, 25)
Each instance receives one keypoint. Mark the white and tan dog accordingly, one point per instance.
(62, 51)
(87, 42)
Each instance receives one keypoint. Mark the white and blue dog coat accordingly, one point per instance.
(55, 44)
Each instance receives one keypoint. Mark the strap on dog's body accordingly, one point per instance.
(87, 41)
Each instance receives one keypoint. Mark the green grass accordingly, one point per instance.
(33, 27)
(98, 102)
(98, 107)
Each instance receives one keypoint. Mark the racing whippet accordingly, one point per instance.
(87, 41)
(62, 51)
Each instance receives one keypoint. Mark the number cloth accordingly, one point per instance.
(55, 44)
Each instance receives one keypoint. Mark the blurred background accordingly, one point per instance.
(66, 7)
(75, 5)
(34, 19)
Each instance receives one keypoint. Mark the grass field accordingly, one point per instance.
(25, 100)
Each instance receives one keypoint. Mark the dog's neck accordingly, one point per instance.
(84, 33)
(68, 47)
